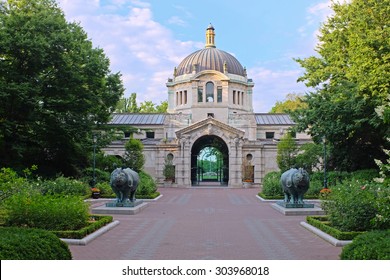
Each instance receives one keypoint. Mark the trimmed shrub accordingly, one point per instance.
(374, 245)
(271, 184)
(31, 244)
(147, 185)
(94, 224)
(365, 175)
(322, 223)
(46, 212)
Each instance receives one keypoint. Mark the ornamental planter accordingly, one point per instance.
(96, 195)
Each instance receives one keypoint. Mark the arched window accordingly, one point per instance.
(209, 92)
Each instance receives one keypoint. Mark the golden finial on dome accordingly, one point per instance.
(210, 35)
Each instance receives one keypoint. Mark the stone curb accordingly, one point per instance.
(112, 199)
(92, 236)
(325, 236)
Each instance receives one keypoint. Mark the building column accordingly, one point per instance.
(235, 163)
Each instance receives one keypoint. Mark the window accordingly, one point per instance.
(149, 134)
(200, 94)
(185, 97)
(210, 115)
(209, 92)
(234, 97)
(219, 94)
(269, 135)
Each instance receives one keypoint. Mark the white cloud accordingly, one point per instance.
(177, 21)
(272, 86)
(143, 50)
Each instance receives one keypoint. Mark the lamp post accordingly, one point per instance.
(94, 160)
(325, 180)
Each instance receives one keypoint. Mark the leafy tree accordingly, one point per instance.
(129, 105)
(287, 151)
(309, 156)
(54, 88)
(350, 77)
(134, 157)
(292, 102)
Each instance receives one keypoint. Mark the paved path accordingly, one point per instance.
(208, 223)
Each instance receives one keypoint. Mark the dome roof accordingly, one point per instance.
(210, 58)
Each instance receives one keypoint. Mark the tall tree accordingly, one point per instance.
(350, 77)
(286, 153)
(55, 88)
(291, 103)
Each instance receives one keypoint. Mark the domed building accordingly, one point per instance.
(210, 115)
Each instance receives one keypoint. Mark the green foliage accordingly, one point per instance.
(322, 223)
(271, 184)
(350, 81)
(169, 170)
(63, 186)
(107, 163)
(354, 206)
(94, 224)
(129, 105)
(105, 189)
(10, 182)
(101, 176)
(291, 103)
(287, 150)
(54, 86)
(31, 209)
(309, 156)
(373, 245)
(134, 157)
(147, 184)
(31, 244)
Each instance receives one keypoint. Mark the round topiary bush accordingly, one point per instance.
(374, 245)
(31, 244)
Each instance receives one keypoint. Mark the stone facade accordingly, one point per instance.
(209, 105)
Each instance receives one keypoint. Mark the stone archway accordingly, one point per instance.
(221, 169)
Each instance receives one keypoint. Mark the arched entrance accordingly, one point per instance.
(209, 161)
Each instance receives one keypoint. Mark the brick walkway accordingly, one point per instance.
(208, 223)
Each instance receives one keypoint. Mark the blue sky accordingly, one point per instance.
(146, 39)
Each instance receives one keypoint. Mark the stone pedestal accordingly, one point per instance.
(301, 211)
(122, 210)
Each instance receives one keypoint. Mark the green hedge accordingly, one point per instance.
(374, 245)
(46, 212)
(99, 221)
(31, 244)
(322, 223)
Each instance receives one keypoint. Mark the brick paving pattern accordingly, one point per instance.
(207, 224)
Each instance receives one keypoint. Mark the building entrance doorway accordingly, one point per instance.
(209, 161)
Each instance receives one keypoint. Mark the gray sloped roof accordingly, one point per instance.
(273, 119)
(137, 119)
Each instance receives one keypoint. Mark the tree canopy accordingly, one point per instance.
(55, 88)
(350, 76)
(129, 105)
(291, 103)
